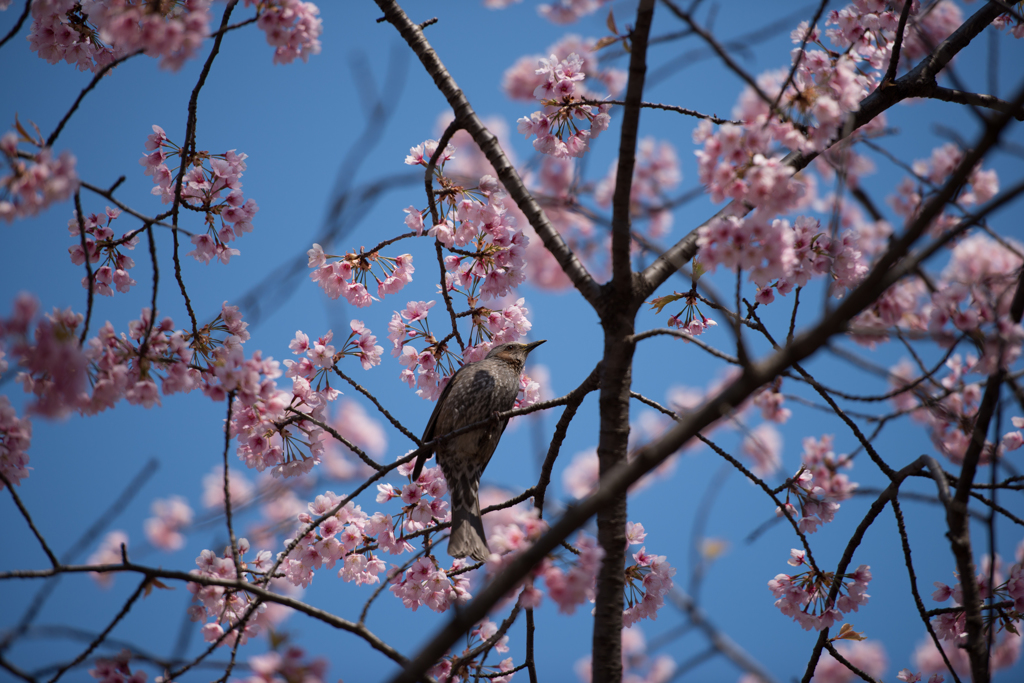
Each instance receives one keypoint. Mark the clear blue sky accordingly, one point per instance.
(297, 123)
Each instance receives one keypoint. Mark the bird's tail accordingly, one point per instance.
(468, 536)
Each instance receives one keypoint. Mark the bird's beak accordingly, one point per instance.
(532, 345)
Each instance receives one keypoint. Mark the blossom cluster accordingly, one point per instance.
(522, 80)
(555, 125)
(53, 366)
(170, 516)
(223, 607)
(908, 676)
(426, 584)
(483, 632)
(472, 217)
(275, 667)
(100, 244)
(804, 596)
(347, 535)
(818, 487)
(276, 428)
(647, 580)
(974, 296)
(690, 319)
(347, 276)
(293, 27)
(770, 400)
(29, 185)
(868, 656)
(948, 410)
(971, 297)
(568, 11)
(992, 584)
(930, 174)
(334, 540)
(655, 172)
(15, 439)
(269, 423)
(781, 256)
(117, 670)
(93, 33)
(108, 552)
(743, 161)
(202, 189)
(496, 265)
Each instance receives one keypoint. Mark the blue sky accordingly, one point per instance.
(299, 124)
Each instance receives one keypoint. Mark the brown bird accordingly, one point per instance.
(474, 393)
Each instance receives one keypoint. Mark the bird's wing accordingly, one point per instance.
(428, 432)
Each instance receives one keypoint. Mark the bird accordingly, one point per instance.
(474, 393)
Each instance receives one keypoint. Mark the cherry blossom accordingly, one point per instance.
(102, 248)
(348, 275)
(108, 552)
(94, 33)
(803, 596)
(203, 189)
(170, 515)
(655, 172)
(763, 444)
(647, 582)
(521, 81)
(555, 125)
(224, 609)
(293, 27)
(117, 670)
(292, 665)
(568, 11)
(818, 486)
(15, 440)
(868, 656)
(29, 185)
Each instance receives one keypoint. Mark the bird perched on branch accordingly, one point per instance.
(474, 393)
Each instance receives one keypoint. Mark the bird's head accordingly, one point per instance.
(514, 352)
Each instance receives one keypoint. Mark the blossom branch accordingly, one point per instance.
(88, 268)
(334, 432)
(920, 79)
(255, 590)
(235, 557)
(664, 107)
(143, 586)
(488, 144)
(442, 144)
(897, 45)
(890, 493)
(908, 560)
(573, 401)
(31, 525)
(188, 149)
(956, 513)
(158, 220)
(18, 24)
(383, 411)
(85, 91)
(616, 482)
(488, 643)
